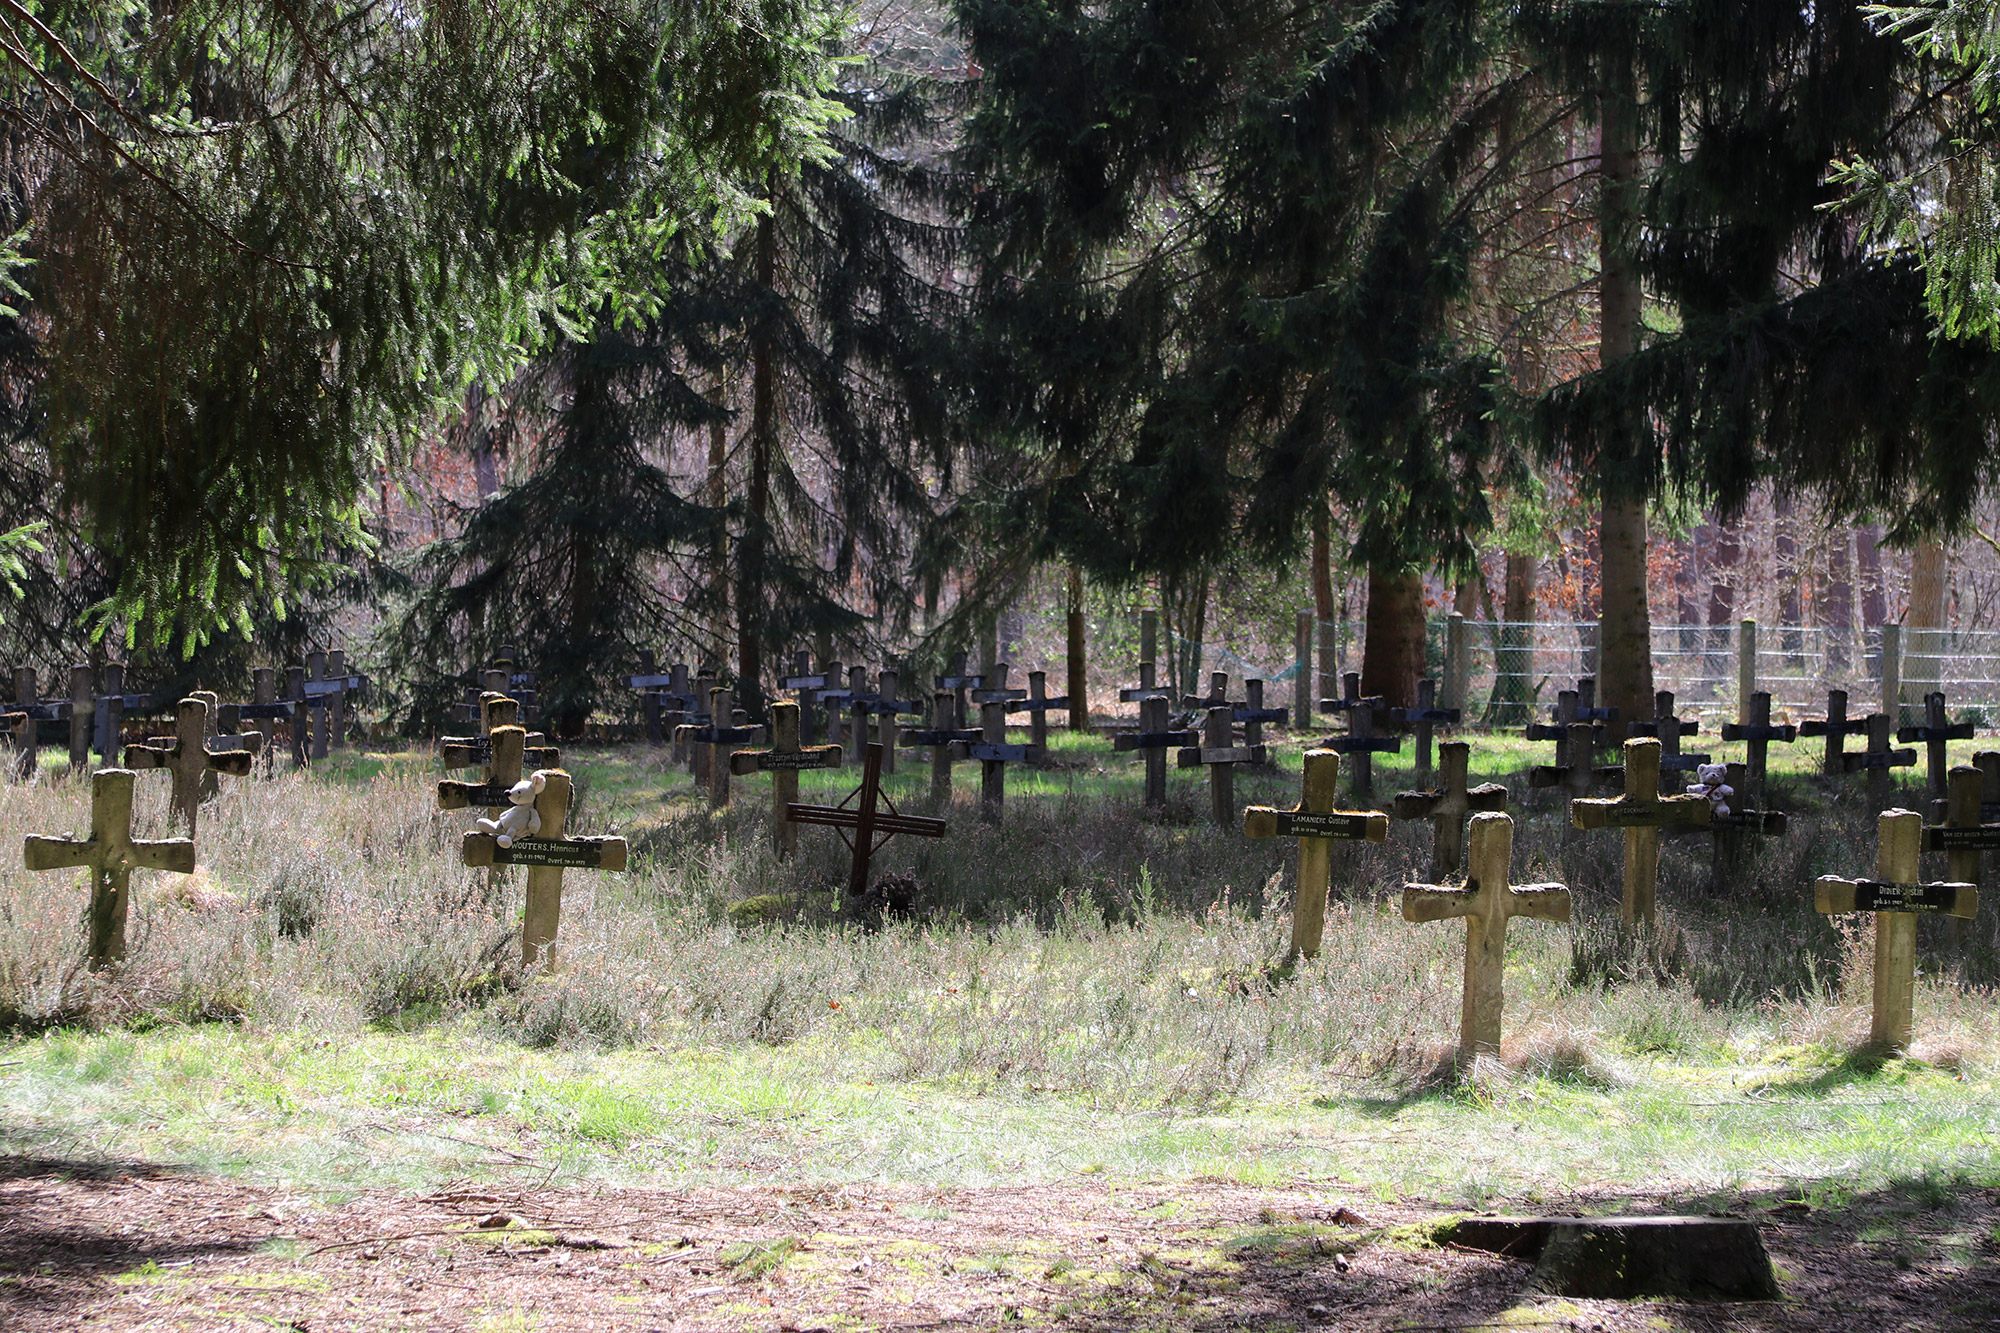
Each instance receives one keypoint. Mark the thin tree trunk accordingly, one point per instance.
(718, 495)
(763, 443)
(1392, 657)
(1625, 634)
(1322, 564)
(1874, 597)
(1079, 675)
(1514, 662)
(1923, 640)
(1836, 599)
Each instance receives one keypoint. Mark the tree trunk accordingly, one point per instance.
(1625, 633)
(1923, 641)
(1791, 612)
(1392, 657)
(1835, 604)
(1079, 676)
(1874, 597)
(1514, 656)
(1322, 565)
(717, 495)
(763, 443)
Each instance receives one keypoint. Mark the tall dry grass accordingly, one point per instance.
(1083, 948)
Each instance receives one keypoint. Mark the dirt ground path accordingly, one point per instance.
(132, 1248)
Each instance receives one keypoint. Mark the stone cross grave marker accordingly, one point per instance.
(945, 742)
(1485, 901)
(1936, 731)
(112, 854)
(1360, 742)
(1448, 804)
(1037, 706)
(991, 749)
(225, 732)
(1219, 754)
(695, 717)
(1964, 832)
(832, 696)
(1897, 897)
(1667, 729)
(1317, 825)
(547, 854)
(263, 711)
(1758, 734)
(1251, 715)
(1420, 720)
(504, 753)
(110, 708)
(1878, 759)
(660, 693)
(862, 824)
(805, 687)
(784, 761)
(82, 707)
(186, 755)
(1836, 726)
(31, 710)
(1642, 812)
(1153, 739)
(959, 679)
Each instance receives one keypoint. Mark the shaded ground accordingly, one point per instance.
(134, 1247)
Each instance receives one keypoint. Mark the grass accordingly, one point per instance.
(331, 1000)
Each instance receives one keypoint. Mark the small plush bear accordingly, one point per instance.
(1709, 781)
(521, 819)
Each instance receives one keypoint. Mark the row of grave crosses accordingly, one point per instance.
(314, 705)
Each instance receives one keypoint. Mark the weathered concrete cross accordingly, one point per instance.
(1316, 824)
(547, 854)
(1486, 901)
(112, 854)
(1218, 753)
(186, 755)
(1420, 720)
(1897, 897)
(1642, 812)
(1448, 804)
(784, 761)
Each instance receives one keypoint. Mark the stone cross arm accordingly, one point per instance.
(1833, 894)
(1194, 756)
(1433, 902)
(1625, 812)
(1486, 796)
(175, 854)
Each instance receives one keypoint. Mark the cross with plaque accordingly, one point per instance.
(805, 687)
(1219, 754)
(784, 761)
(1420, 721)
(862, 825)
(186, 755)
(1878, 759)
(1038, 706)
(112, 855)
(1936, 731)
(1667, 729)
(1447, 805)
(1317, 825)
(1642, 812)
(1361, 742)
(546, 854)
(1964, 834)
(991, 749)
(1758, 734)
(1836, 726)
(1898, 898)
(1486, 901)
(504, 753)
(718, 740)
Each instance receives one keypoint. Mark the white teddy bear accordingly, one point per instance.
(1709, 781)
(521, 819)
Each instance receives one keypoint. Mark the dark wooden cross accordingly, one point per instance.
(547, 854)
(884, 707)
(82, 707)
(832, 696)
(859, 696)
(959, 679)
(28, 711)
(991, 749)
(186, 755)
(112, 855)
(1251, 715)
(1757, 734)
(1219, 754)
(1217, 696)
(717, 740)
(1486, 901)
(1153, 739)
(1878, 759)
(1836, 726)
(1897, 896)
(1360, 743)
(784, 761)
(1667, 729)
(1037, 706)
(1572, 707)
(110, 707)
(1448, 804)
(1937, 730)
(863, 827)
(1420, 720)
(1574, 770)
(1317, 825)
(660, 694)
(945, 742)
(504, 751)
(1642, 812)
